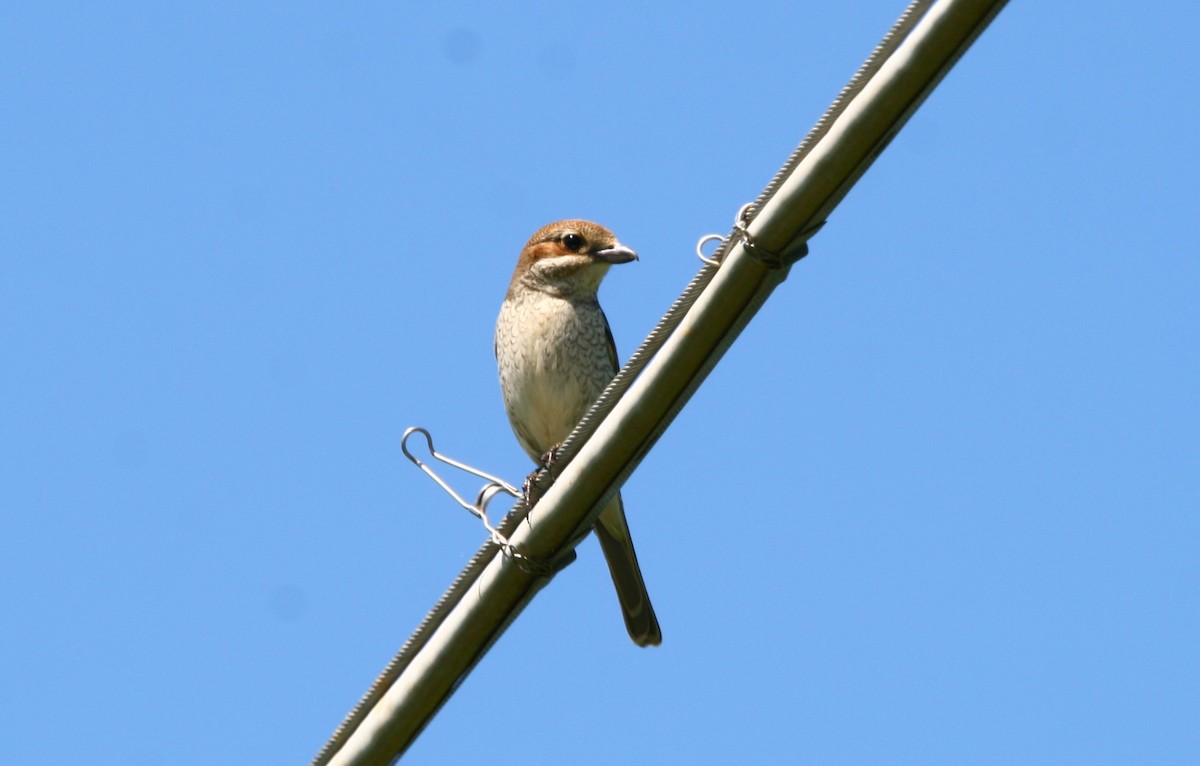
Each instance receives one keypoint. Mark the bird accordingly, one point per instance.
(555, 354)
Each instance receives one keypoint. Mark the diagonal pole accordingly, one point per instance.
(495, 588)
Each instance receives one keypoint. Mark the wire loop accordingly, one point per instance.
(711, 261)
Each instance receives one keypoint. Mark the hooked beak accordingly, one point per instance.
(618, 253)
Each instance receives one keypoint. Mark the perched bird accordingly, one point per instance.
(555, 354)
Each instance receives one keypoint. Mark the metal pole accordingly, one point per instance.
(744, 280)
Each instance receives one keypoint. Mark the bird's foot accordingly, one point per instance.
(532, 488)
(551, 457)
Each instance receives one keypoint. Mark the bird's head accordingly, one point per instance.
(569, 258)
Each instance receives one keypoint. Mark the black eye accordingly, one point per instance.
(573, 242)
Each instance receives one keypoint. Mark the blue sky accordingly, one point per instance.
(937, 505)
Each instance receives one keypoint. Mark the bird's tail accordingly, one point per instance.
(613, 533)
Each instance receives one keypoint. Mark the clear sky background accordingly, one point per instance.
(939, 504)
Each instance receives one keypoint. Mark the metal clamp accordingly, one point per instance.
(795, 250)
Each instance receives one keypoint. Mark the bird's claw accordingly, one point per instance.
(531, 488)
(550, 457)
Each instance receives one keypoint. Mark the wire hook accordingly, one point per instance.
(478, 509)
(711, 261)
(740, 224)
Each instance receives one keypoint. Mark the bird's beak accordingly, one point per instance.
(618, 253)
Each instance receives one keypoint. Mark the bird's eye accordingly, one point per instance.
(573, 242)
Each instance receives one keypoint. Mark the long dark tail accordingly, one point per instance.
(613, 533)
